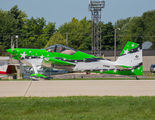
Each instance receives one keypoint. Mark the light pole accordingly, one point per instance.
(115, 43)
(16, 41)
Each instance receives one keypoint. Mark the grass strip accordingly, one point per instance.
(75, 108)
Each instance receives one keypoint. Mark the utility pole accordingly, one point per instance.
(67, 38)
(115, 43)
(12, 48)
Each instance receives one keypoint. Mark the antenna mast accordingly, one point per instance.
(95, 8)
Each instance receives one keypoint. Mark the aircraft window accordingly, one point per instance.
(51, 48)
(65, 50)
(61, 49)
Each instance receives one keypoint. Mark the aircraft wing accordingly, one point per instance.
(56, 61)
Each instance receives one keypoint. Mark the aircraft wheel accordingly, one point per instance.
(137, 78)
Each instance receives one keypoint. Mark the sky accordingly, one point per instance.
(61, 11)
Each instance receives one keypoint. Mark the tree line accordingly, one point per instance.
(137, 29)
(36, 33)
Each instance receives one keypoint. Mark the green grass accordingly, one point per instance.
(77, 108)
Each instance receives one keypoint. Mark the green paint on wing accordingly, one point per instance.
(37, 75)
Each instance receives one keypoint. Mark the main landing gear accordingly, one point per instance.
(137, 78)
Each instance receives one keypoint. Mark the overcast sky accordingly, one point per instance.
(61, 11)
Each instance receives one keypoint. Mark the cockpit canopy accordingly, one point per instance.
(61, 49)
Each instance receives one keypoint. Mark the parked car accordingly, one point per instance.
(152, 68)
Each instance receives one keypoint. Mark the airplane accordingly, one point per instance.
(62, 57)
(7, 70)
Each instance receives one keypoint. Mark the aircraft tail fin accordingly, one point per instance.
(11, 69)
(131, 58)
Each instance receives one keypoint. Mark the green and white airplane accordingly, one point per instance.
(62, 57)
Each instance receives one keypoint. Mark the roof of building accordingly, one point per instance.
(6, 58)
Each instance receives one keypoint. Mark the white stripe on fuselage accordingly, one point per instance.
(101, 64)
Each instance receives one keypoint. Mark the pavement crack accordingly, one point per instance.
(28, 89)
(150, 84)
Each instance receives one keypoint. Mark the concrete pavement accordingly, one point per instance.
(77, 88)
